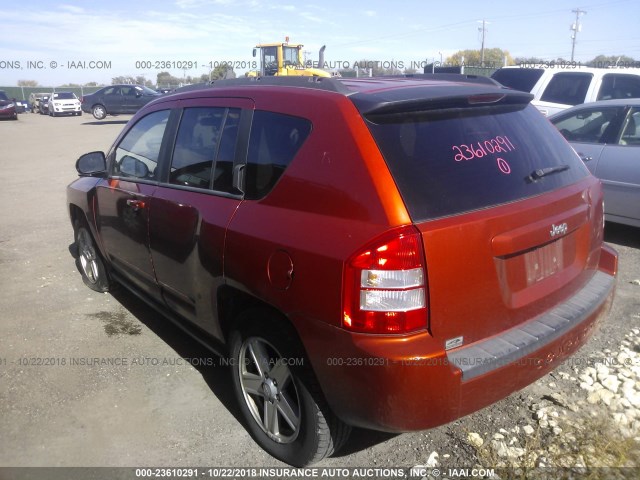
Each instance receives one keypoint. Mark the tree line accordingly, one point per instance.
(493, 57)
(163, 79)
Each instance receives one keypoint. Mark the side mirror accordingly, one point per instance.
(132, 167)
(254, 52)
(92, 164)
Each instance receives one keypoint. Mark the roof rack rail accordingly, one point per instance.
(447, 77)
(333, 84)
(321, 83)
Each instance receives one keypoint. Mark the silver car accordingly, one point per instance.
(606, 135)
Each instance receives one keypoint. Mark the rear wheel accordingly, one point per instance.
(99, 112)
(89, 262)
(280, 399)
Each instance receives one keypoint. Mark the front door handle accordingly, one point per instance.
(585, 158)
(135, 204)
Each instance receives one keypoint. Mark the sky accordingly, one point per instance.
(74, 41)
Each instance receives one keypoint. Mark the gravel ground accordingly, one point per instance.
(156, 409)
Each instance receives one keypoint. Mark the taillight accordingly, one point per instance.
(385, 285)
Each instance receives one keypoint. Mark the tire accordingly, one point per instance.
(99, 112)
(89, 262)
(303, 429)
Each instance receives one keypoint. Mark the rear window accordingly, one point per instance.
(523, 79)
(446, 163)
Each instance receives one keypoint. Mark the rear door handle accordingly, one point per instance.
(135, 204)
(585, 158)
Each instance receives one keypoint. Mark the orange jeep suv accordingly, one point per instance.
(390, 253)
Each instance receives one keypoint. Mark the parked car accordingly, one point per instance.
(22, 106)
(606, 136)
(386, 253)
(556, 89)
(61, 103)
(39, 102)
(7, 107)
(117, 99)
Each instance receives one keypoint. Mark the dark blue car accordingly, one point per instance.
(116, 99)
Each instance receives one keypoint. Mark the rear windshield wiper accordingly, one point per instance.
(543, 172)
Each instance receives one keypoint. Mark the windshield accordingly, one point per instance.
(147, 91)
(450, 163)
(64, 96)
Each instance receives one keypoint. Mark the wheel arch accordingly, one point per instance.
(233, 302)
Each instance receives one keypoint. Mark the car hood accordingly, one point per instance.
(4, 103)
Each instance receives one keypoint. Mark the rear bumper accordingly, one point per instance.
(411, 383)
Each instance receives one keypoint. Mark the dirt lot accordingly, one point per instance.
(155, 409)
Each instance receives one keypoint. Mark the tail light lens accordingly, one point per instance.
(385, 285)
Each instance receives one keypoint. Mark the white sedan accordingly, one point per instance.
(61, 103)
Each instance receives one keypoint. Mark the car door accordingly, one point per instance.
(112, 100)
(130, 99)
(123, 201)
(619, 170)
(589, 129)
(194, 203)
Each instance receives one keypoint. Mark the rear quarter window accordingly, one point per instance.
(273, 143)
(446, 164)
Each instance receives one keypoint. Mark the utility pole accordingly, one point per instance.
(575, 28)
(482, 31)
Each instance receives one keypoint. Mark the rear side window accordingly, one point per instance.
(523, 79)
(196, 145)
(274, 141)
(616, 85)
(449, 163)
(205, 148)
(567, 88)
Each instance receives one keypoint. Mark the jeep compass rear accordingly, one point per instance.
(387, 253)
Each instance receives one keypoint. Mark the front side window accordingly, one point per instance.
(274, 141)
(590, 125)
(567, 88)
(138, 152)
(128, 91)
